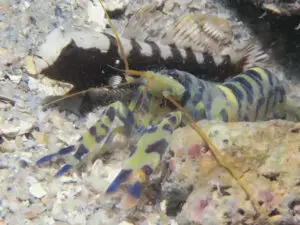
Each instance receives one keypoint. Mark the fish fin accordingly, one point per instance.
(200, 32)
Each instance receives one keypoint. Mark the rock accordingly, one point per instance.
(31, 180)
(14, 206)
(96, 179)
(8, 146)
(98, 169)
(9, 130)
(19, 126)
(266, 158)
(77, 218)
(40, 137)
(23, 195)
(36, 190)
(2, 222)
(5, 106)
(96, 185)
(91, 119)
(106, 218)
(15, 78)
(3, 52)
(68, 137)
(115, 4)
(125, 223)
(58, 213)
(34, 210)
(25, 127)
(54, 188)
(33, 84)
(67, 179)
(96, 14)
(29, 65)
(57, 121)
(61, 223)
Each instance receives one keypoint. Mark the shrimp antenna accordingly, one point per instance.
(122, 52)
(123, 55)
(117, 69)
(67, 96)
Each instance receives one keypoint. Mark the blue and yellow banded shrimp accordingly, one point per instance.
(171, 99)
(254, 95)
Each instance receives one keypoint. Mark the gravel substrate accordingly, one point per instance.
(29, 194)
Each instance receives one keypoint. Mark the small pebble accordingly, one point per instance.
(172, 164)
(8, 146)
(58, 121)
(67, 179)
(68, 138)
(31, 180)
(297, 209)
(96, 184)
(125, 223)
(102, 215)
(14, 206)
(78, 218)
(23, 195)
(194, 150)
(29, 65)
(58, 213)
(95, 14)
(34, 210)
(98, 168)
(60, 223)
(15, 78)
(10, 130)
(25, 127)
(2, 222)
(92, 118)
(37, 190)
(33, 84)
(5, 106)
(40, 137)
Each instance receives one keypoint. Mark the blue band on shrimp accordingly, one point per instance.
(63, 170)
(121, 178)
(51, 157)
(135, 189)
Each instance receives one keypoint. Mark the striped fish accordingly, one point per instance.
(88, 59)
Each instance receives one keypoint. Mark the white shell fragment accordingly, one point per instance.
(29, 65)
(96, 14)
(37, 190)
(25, 127)
(9, 130)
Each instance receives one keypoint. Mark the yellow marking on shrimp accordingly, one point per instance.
(233, 102)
